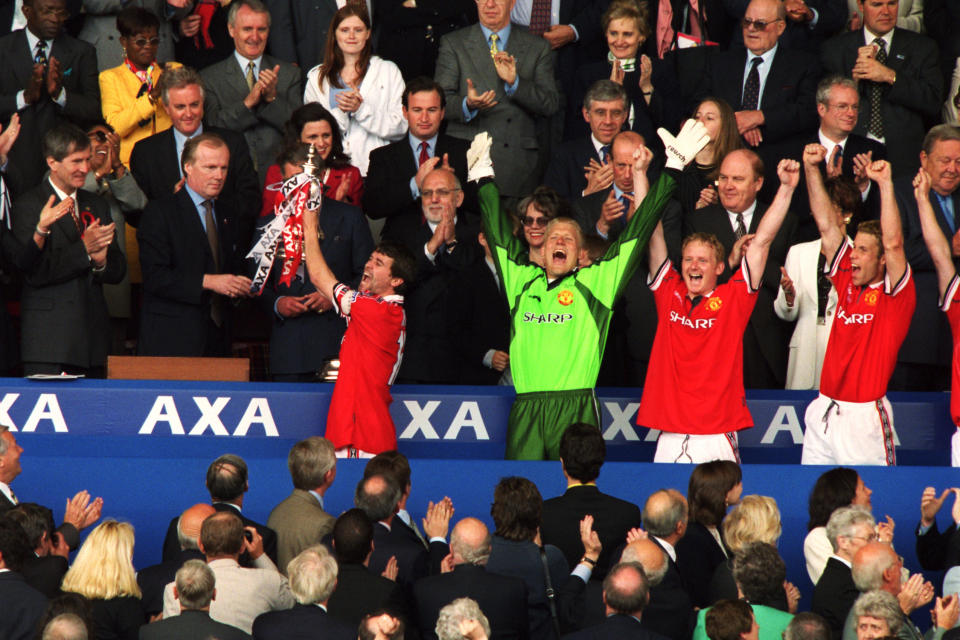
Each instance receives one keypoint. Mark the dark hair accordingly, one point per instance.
(707, 492)
(390, 463)
(729, 138)
(314, 112)
(548, 202)
(872, 228)
(191, 146)
(421, 84)
(222, 534)
(727, 619)
(64, 139)
(364, 632)
(844, 193)
(380, 504)
(627, 9)
(134, 20)
(834, 489)
(582, 451)
(404, 264)
(516, 509)
(332, 56)
(227, 475)
(759, 572)
(352, 536)
(35, 519)
(626, 601)
(296, 153)
(807, 625)
(14, 546)
(68, 603)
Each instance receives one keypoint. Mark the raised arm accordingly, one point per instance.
(320, 274)
(890, 224)
(937, 243)
(830, 234)
(759, 248)
(657, 248)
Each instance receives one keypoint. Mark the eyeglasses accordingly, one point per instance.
(142, 42)
(843, 106)
(443, 193)
(759, 25)
(530, 221)
(99, 135)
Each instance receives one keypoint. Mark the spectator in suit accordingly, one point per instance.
(66, 325)
(444, 240)
(103, 573)
(669, 612)
(359, 591)
(626, 593)
(300, 521)
(409, 35)
(313, 124)
(48, 78)
(731, 620)
(397, 170)
(242, 593)
(22, 604)
(154, 579)
(45, 567)
(156, 161)
(395, 465)
(848, 529)
(899, 78)
(584, 164)
(807, 626)
(202, 37)
(300, 30)
(70, 604)
(698, 182)
(808, 22)
(664, 516)
(504, 96)
(194, 590)
(771, 87)
(66, 626)
(910, 14)
(190, 253)
(582, 452)
(936, 550)
(362, 91)
(313, 578)
(252, 92)
(462, 619)
(503, 598)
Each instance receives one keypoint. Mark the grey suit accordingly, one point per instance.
(513, 121)
(300, 522)
(226, 87)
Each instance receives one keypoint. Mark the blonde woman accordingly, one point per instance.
(103, 573)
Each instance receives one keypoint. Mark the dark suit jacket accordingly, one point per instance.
(153, 579)
(192, 52)
(413, 560)
(303, 343)
(298, 31)
(565, 171)
(482, 320)
(670, 611)
(907, 103)
(156, 167)
(302, 622)
(64, 313)
(22, 607)
(171, 545)
(410, 36)
(834, 595)
(585, 17)
(190, 625)
(938, 550)
(613, 517)
(45, 573)
(769, 333)
(832, 18)
(78, 63)
(928, 340)
(616, 627)
(501, 598)
(698, 555)
(386, 191)
(360, 592)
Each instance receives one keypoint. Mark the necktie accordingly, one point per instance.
(876, 94)
(216, 304)
(493, 44)
(41, 55)
(751, 90)
(13, 496)
(604, 153)
(741, 229)
(251, 78)
(540, 16)
(626, 202)
(664, 27)
(424, 156)
(946, 205)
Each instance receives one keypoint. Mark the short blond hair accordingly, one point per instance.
(755, 519)
(103, 568)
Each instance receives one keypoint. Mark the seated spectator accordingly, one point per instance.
(838, 487)
(103, 573)
(698, 182)
(313, 124)
(194, 589)
(362, 91)
(731, 620)
(22, 604)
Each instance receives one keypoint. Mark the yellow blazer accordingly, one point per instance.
(124, 112)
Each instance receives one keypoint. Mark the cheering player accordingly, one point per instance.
(694, 388)
(359, 422)
(851, 421)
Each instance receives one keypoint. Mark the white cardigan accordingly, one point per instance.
(379, 119)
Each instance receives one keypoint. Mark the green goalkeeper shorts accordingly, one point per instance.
(538, 420)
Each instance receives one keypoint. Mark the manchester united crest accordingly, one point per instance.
(565, 297)
(871, 297)
(714, 304)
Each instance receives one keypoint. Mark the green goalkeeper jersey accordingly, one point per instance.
(559, 329)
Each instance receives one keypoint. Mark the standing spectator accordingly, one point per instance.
(409, 33)
(626, 593)
(202, 37)
(362, 91)
(22, 604)
(698, 182)
(839, 487)
(910, 14)
(100, 29)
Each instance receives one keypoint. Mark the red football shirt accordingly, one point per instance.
(951, 306)
(370, 355)
(695, 379)
(870, 325)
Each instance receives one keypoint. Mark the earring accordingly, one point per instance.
(124, 49)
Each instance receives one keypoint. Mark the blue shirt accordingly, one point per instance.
(503, 36)
(763, 70)
(198, 201)
(180, 140)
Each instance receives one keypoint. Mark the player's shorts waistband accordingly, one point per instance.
(843, 404)
(567, 393)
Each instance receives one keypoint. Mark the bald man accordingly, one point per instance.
(670, 611)
(502, 599)
(626, 592)
(153, 579)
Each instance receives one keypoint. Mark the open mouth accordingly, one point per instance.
(559, 255)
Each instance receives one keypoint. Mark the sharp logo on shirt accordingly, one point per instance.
(552, 318)
(714, 304)
(871, 297)
(565, 297)
(854, 318)
(698, 323)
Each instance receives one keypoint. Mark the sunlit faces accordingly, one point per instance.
(839, 116)
(700, 267)
(141, 47)
(70, 173)
(45, 18)
(440, 195)
(733, 496)
(861, 496)
(352, 36)
(561, 248)
(377, 278)
(250, 31)
(869, 628)
(424, 114)
(943, 165)
(622, 152)
(624, 38)
(762, 12)
(738, 182)
(534, 226)
(866, 260)
(494, 14)
(606, 118)
(879, 16)
(207, 171)
(708, 113)
(320, 135)
(185, 108)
